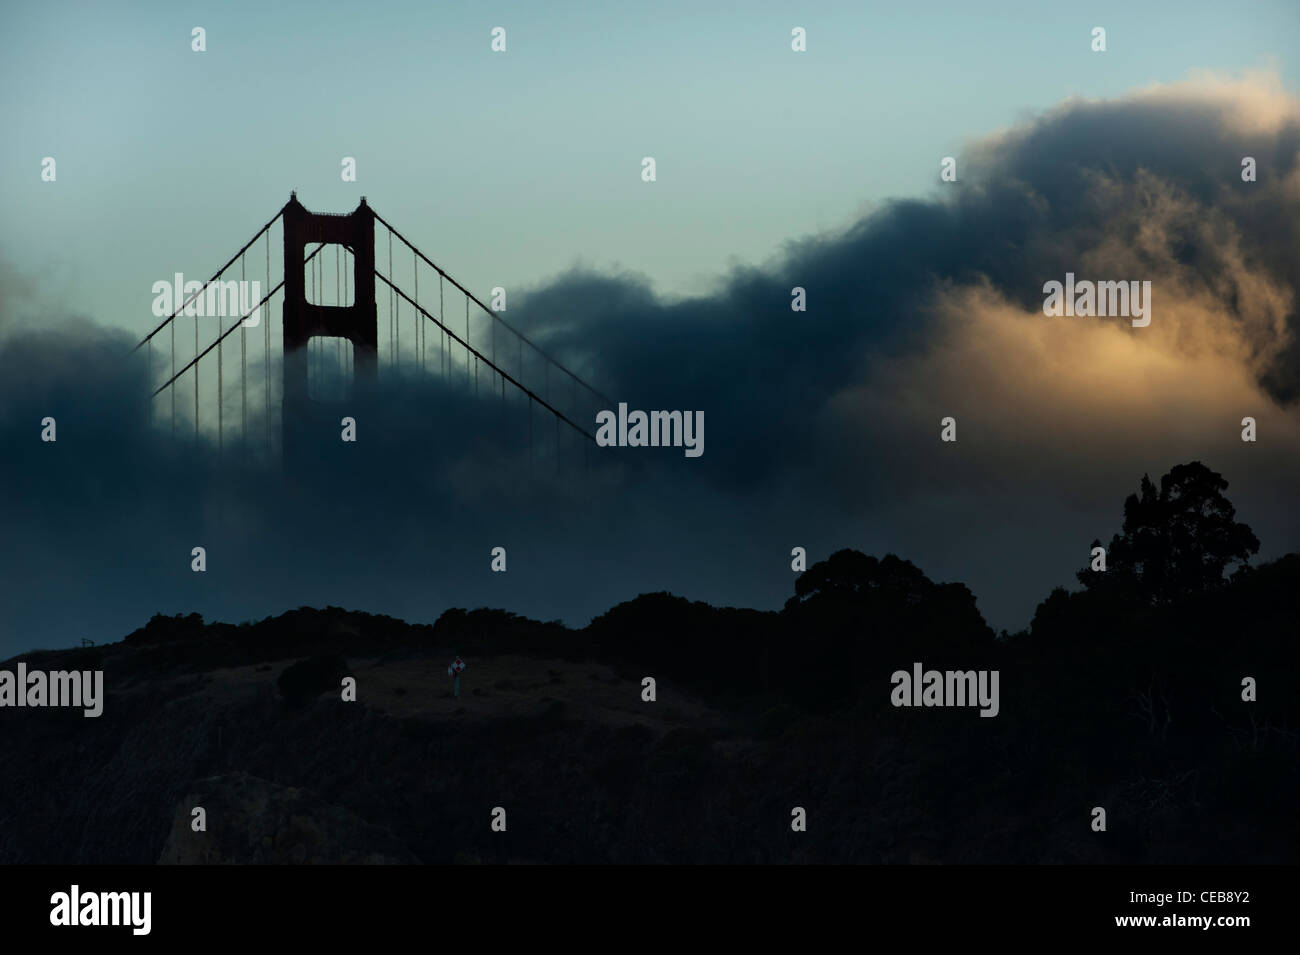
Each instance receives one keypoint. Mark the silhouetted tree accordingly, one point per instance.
(851, 573)
(856, 618)
(1175, 541)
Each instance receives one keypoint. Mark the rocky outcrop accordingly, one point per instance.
(252, 821)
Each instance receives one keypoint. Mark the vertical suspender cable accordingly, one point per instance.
(196, 375)
(172, 323)
(349, 356)
(320, 299)
(397, 315)
(220, 348)
(266, 348)
(419, 325)
(338, 303)
(310, 294)
(243, 363)
(311, 341)
(315, 299)
(350, 274)
(390, 295)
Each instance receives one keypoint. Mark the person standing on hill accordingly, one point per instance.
(454, 671)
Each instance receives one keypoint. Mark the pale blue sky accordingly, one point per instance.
(508, 168)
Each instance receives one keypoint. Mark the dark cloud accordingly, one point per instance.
(821, 427)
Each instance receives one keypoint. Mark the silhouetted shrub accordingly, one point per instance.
(777, 720)
(88, 658)
(161, 629)
(302, 682)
